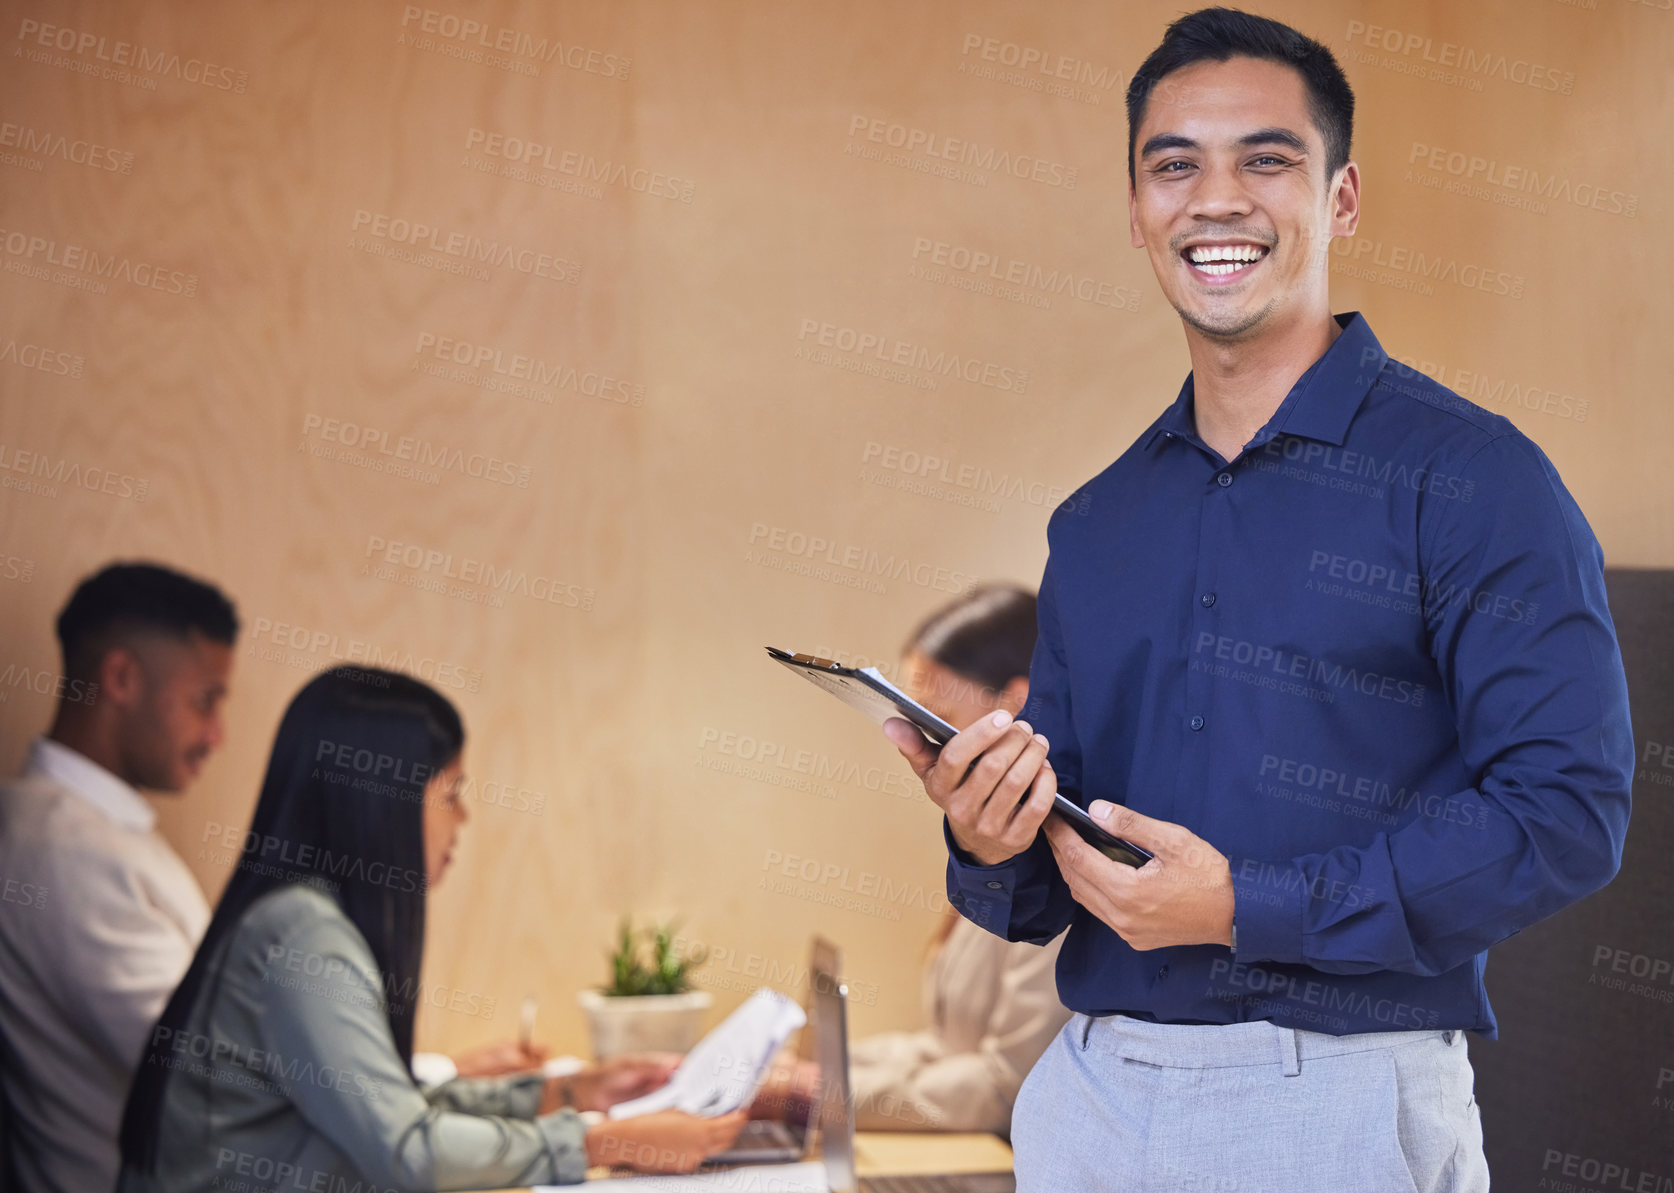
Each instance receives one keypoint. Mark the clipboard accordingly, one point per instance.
(866, 689)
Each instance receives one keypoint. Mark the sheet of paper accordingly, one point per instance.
(728, 1065)
(807, 1177)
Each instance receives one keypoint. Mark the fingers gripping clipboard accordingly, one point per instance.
(866, 689)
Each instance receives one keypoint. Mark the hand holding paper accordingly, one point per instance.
(728, 1065)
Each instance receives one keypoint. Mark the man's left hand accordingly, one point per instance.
(1182, 896)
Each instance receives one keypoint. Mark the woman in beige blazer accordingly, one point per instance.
(990, 1005)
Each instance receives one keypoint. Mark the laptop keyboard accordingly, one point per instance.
(764, 1132)
(973, 1182)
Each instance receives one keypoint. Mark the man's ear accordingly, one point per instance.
(1015, 694)
(1135, 235)
(1345, 201)
(121, 676)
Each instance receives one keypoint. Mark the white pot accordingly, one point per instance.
(645, 1022)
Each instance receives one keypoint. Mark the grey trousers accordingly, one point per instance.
(1117, 1105)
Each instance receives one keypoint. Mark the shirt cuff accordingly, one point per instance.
(524, 1092)
(1267, 904)
(565, 1135)
(432, 1068)
(563, 1066)
(982, 894)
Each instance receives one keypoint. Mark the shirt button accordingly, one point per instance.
(1224, 479)
(996, 886)
(1207, 599)
(1197, 723)
(1162, 973)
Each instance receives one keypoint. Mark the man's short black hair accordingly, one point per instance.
(1217, 34)
(125, 598)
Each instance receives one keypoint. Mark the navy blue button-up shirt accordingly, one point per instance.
(1371, 662)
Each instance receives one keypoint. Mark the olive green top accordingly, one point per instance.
(285, 1077)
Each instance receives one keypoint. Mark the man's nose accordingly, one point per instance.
(1220, 194)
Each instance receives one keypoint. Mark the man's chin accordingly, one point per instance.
(1227, 327)
(183, 777)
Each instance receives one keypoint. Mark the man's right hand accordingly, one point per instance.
(992, 780)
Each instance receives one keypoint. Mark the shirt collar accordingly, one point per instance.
(1321, 404)
(116, 800)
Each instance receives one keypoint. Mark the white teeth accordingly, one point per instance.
(1207, 254)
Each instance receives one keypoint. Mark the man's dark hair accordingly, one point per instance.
(1217, 34)
(129, 598)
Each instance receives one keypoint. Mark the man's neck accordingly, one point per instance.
(1236, 386)
(86, 738)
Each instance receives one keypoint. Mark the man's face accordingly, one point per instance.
(168, 696)
(1231, 200)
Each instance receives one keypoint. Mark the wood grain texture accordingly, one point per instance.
(755, 486)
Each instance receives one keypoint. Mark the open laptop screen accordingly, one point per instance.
(836, 1112)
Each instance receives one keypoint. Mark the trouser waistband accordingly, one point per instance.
(1232, 1045)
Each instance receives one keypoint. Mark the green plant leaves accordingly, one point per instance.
(667, 971)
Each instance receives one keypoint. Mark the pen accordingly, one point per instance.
(526, 1023)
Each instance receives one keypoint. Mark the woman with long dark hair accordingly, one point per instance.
(991, 1006)
(282, 1061)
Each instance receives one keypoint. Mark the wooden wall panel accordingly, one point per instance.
(702, 465)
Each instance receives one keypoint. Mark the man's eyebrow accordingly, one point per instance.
(1261, 136)
(1273, 136)
(1164, 141)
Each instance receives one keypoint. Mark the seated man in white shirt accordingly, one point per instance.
(99, 917)
(112, 915)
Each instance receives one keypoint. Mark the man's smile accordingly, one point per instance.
(1220, 262)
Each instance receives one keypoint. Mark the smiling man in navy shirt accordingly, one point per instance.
(1332, 643)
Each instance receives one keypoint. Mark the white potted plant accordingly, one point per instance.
(648, 1006)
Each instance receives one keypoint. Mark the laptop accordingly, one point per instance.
(771, 1141)
(836, 1116)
